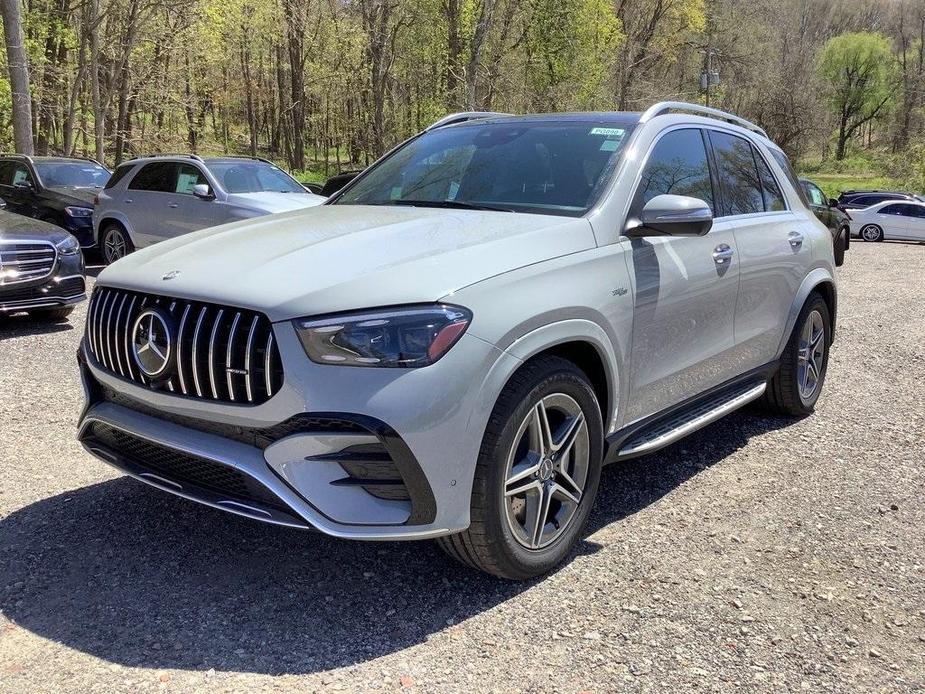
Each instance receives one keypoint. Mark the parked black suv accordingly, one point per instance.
(828, 212)
(859, 199)
(59, 190)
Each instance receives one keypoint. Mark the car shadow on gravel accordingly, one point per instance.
(21, 324)
(137, 577)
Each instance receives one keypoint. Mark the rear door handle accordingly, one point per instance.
(722, 254)
(174, 205)
(129, 201)
(795, 238)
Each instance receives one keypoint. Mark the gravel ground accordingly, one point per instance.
(760, 554)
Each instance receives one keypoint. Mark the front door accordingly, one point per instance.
(685, 288)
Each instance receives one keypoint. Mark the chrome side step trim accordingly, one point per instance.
(666, 432)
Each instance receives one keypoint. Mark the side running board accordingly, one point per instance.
(666, 431)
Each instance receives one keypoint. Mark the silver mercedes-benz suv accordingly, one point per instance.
(455, 343)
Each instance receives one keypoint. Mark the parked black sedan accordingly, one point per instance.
(59, 190)
(829, 213)
(41, 268)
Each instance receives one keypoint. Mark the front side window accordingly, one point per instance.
(815, 195)
(21, 175)
(738, 174)
(253, 177)
(678, 165)
(556, 168)
(159, 177)
(188, 177)
(71, 174)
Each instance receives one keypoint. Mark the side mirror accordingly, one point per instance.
(203, 192)
(673, 215)
(24, 185)
(833, 202)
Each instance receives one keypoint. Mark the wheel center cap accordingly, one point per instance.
(547, 468)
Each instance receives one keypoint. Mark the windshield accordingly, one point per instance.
(557, 168)
(253, 177)
(71, 174)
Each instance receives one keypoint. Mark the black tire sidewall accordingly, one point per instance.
(519, 560)
(815, 303)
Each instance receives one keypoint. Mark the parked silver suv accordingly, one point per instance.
(151, 199)
(455, 344)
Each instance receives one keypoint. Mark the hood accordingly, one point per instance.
(342, 257)
(15, 227)
(275, 202)
(77, 196)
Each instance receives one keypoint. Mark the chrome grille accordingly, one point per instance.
(222, 353)
(25, 261)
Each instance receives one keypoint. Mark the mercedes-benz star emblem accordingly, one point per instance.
(173, 274)
(151, 343)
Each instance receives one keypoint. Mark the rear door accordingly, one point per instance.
(770, 240)
(685, 287)
(893, 220)
(916, 222)
(145, 201)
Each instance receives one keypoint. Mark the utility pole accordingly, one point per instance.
(708, 76)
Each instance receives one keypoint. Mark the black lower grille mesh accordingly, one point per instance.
(73, 286)
(183, 467)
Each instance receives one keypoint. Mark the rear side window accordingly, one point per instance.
(737, 174)
(6, 173)
(773, 198)
(893, 209)
(160, 176)
(784, 163)
(678, 165)
(118, 175)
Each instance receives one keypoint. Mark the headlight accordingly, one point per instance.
(69, 246)
(398, 338)
(79, 211)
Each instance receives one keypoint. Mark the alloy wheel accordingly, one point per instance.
(547, 470)
(113, 246)
(811, 355)
(870, 233)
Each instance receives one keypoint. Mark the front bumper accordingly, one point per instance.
(55, 292)
(373, 454)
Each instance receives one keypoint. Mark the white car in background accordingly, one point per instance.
(904, 221)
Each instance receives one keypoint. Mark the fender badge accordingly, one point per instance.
(173, 274)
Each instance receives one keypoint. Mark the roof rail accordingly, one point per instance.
(462, 117)
(166, 154)
(664, 107)
(16, 154)
(243, 156)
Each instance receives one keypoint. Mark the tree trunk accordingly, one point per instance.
(19, 76)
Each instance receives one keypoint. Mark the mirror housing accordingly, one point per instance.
(673, 215)
(203, 191)
(24, 185)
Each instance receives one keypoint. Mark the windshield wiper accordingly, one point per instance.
(449, 204)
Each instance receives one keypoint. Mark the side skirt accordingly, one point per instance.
(664, 428)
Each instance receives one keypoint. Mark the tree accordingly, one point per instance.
(858, 71)
(19, 76)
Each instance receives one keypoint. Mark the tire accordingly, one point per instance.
(496, 541)
(871, 232)
(787, 393)
(839, 245)
(114, 243)
(53, 314)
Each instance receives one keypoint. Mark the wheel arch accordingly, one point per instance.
(821, 281)
(109, 218)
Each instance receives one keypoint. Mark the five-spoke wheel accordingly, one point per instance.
(871, 232)
(115, 244)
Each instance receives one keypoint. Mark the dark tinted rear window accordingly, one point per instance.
(118, 175)
(784, 163)
(158, 176)
(738, 174)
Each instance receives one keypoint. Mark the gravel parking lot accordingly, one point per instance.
(763, 554)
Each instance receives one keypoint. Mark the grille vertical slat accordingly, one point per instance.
(228, 354)
(218, 322)
(208, 337)
(180, 350)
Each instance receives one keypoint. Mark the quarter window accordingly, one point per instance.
(678, 165)
(738, 174)
(773, 198)
(160, 176)
(118, 175)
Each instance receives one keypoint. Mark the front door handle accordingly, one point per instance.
(174, 205)
(722, 254)
(129, 201)
(795, 238)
